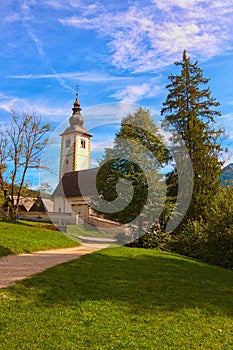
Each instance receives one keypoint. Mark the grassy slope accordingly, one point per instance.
(121, 298)
(85, 230)
(20, 238)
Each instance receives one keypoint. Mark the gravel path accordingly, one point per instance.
(14, 268)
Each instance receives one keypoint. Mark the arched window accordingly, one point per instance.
(83, 143)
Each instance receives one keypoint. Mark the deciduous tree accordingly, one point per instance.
(137, 155)
(21, 144)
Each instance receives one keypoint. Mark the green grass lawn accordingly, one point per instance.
(121, 298)
(21, 238)
(82, 230)
(76, 232)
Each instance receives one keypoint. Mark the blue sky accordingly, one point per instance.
(117, 51)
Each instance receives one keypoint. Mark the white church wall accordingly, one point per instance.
(67, 154)
(61, 205)
(82, 154)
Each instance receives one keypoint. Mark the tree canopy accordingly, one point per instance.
(137, 155)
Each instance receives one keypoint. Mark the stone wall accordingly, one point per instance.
(56, 218)
(105, 225)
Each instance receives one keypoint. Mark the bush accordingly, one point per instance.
(153, 239)
(219, 248)
(191, 241)
(212, 241)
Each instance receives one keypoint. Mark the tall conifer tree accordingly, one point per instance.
(190, 111)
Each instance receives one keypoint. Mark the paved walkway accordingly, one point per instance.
(14, 268)
(97, 241)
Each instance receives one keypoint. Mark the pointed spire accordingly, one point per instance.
(76, 108)
(76, 118)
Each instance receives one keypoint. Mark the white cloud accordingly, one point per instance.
(226, 122)
(38, 43)
(168, 4)
(100, 147)
(145, 38)
(9, 103)
(14, 17)
(228, 116)
(88, 77)
(134, 93)
(107, 113)
(20, 105)
(56, 4)
(94, 163)
(86, 8)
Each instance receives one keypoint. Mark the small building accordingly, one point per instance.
(32, 208)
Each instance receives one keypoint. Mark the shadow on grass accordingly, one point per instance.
(12, 221)
(5, 251)
(30, 223)
(144, 280)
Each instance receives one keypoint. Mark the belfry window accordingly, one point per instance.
(83, 143)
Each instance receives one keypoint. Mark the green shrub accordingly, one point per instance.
(219, 248)
(211, 241)
(191, 241)
(153, 239)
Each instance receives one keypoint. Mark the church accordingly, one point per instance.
(76, 179)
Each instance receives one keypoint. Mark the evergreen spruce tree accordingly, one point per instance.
(190, 111)
(144, 154)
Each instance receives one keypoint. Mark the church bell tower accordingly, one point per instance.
(75, 144)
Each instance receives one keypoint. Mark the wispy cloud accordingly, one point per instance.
(88, 77)
(28, 21)
(228, 116)
(9, 103)
(134, 93)
(14, 17)
(100, 147)
(20, 105)
(63, 83)
(154, 35)
(107, 113)
(68, 4)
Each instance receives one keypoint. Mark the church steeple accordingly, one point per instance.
(76, 108)
(76, 118)
(75, 145)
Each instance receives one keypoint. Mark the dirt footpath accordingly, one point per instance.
(14, 268)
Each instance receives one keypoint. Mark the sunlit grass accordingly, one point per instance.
(18, 238)
(121, 298)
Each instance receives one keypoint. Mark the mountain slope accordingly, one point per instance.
(227, 175)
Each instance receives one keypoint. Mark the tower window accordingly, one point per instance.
(67, 161)
(83, 143)
(68, 143)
